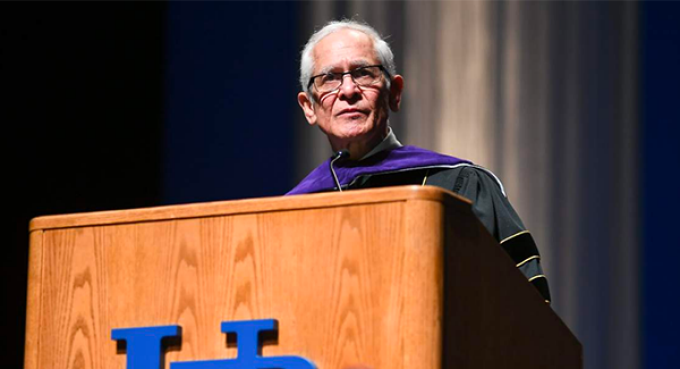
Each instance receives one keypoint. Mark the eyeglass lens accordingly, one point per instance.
(364, 76)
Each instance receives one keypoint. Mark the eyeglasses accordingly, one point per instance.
(362, 76)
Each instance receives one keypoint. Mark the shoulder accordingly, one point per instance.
(489, 201)
(317, 180)
(466, 179)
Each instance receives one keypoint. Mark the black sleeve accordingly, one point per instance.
(493, 209)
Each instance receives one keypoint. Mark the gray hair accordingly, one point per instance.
(382, 49)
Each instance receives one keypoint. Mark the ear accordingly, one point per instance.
(396, 87)
(307, 106)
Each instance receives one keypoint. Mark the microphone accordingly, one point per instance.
(344, 153)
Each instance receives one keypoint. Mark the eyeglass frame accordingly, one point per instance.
(343, 74)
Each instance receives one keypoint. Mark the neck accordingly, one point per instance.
(358, 149)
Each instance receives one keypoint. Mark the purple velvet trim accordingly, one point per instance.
(405, 157)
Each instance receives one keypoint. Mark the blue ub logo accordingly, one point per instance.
(144, 348)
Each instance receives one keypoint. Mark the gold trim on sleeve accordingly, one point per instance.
(514, 235)
(527, 260)
(536, 277)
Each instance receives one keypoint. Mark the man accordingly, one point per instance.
(349, 85)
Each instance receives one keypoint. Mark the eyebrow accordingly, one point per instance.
(355, 64)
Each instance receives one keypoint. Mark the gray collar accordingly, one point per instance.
(388, 143)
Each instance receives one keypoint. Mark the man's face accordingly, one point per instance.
(353, 117)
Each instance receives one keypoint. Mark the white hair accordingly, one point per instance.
(382, 49)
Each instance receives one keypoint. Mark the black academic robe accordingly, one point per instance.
(489, 204)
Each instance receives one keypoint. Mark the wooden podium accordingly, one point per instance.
(392, 278)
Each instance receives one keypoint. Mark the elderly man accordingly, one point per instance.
(349, 85)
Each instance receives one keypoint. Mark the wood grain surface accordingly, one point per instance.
(389, 278)
(340, 280)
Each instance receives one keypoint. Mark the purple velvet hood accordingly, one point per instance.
(401, 158)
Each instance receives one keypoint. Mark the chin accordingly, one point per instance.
(352, 128)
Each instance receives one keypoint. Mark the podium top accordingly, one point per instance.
(217, 208)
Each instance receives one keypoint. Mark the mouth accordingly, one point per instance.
(351, 112)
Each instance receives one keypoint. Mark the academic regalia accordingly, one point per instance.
(391, 164)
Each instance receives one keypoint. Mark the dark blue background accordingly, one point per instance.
(230, 99)
(660, 130)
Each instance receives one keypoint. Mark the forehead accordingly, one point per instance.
(343, 49)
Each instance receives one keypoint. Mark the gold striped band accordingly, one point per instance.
(527, 260)
(514, 235)
(425, 178)
(536, 277)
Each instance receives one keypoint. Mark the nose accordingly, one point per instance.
(348, 88)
